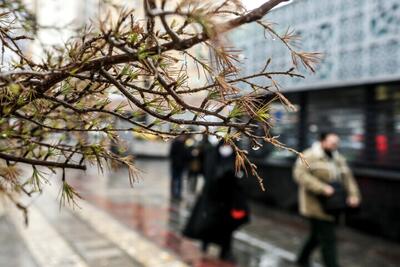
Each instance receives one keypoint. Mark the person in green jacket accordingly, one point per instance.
(321, 165)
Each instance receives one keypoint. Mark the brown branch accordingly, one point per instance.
(252, 16)
(95, 64)
(241, 79)
(143, 107)
(41, 162)
(179, 100)
(115, 114)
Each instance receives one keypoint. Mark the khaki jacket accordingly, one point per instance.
(320, 172)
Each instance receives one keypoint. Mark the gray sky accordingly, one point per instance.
(250, 4)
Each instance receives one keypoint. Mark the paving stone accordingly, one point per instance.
(13, 252)
(47, 246)
(94, 248)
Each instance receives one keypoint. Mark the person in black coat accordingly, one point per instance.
(221, 207)
(178, 159)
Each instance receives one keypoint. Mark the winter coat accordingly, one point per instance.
(221, 207)
(321, 171)
(195, 156)
(178, 154)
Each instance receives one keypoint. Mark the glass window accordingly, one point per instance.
(385, 146)
(285, 125)
(341, 112)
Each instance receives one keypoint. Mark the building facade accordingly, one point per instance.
(354, 92)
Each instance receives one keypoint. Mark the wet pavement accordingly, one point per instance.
(271, 239)
(139, 226)
(13, 252)
(94, 249)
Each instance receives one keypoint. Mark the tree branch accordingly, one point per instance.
(41, 162)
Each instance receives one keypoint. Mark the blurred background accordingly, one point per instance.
(355, 92)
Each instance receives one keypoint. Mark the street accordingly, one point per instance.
(117, 225)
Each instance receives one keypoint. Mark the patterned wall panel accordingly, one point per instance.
(360, 40)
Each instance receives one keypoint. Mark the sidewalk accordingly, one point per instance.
(120, 226)
(272, 238)
(13, 251)
(81, 236)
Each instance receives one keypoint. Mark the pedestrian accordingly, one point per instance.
(177, 155)
(194, 146)
(326, 188)
(221, 207)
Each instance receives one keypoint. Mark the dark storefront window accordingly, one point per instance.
(285, 126)
(342, 112)
(384, 144)
(367, 119)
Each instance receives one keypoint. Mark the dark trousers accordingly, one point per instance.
(322, 233)
(192, 182)
(176, 182)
